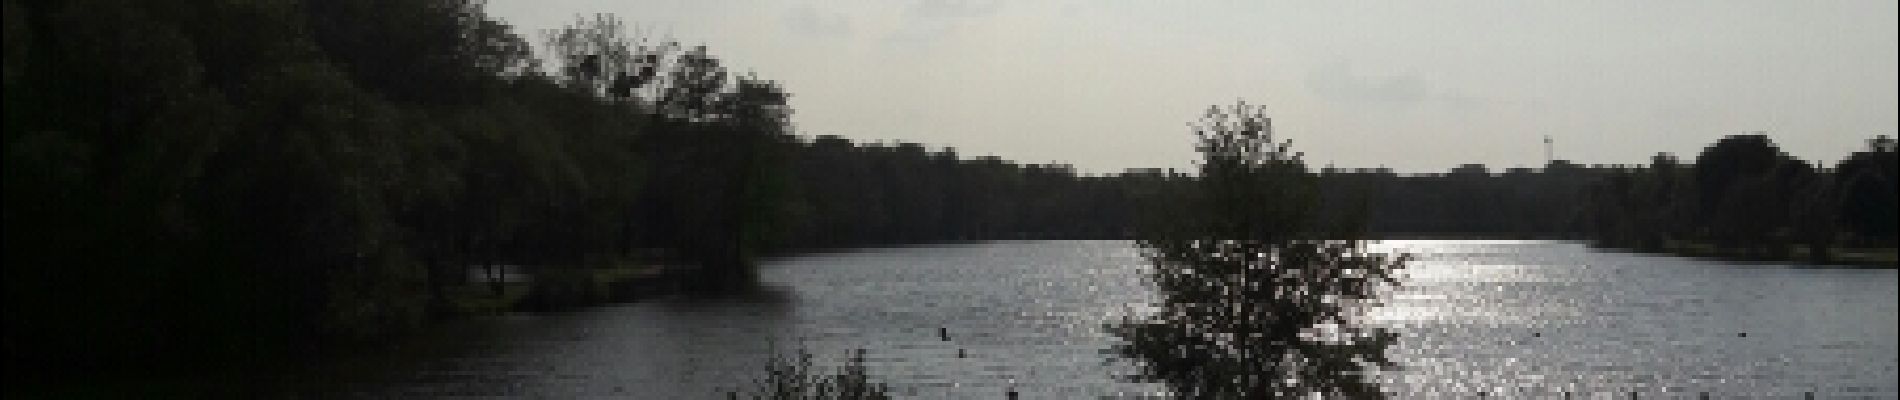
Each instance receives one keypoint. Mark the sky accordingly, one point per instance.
(1413, 86)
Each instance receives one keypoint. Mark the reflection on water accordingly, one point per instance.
(1512, 319)
(1538, 318)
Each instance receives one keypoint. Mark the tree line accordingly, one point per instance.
(198, 183)
(1745, 197)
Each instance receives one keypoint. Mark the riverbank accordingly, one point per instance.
(1848, 257)
(548, 288)
(535, 289)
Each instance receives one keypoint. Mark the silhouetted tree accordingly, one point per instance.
(1744, 196)
(221, 180)
(1249, 278)
(1869, 181)
(437, 52)
(1666, 201)
(1741, 185)
(1814, 215)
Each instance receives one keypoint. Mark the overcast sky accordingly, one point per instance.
(1415, 86)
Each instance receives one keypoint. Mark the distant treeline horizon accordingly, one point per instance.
(1469, 201)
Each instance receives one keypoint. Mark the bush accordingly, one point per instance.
(795, 378)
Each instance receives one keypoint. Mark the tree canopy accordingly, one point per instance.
(1249, 278)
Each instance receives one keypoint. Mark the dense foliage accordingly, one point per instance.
(206, 182)
(1259, 293)
(1743, 196)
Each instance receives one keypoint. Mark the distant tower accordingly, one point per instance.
(1549, 155)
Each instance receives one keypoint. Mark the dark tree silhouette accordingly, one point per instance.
(1258, 297)
(1740, 181)
(1870, 184)
(1745, 198)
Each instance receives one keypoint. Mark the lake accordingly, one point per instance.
(1512, 319)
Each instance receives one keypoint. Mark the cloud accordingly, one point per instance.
(952, 9)
(807, 20)
(1338, 82)
(928, 21)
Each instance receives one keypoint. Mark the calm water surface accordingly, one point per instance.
(1510, 319)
